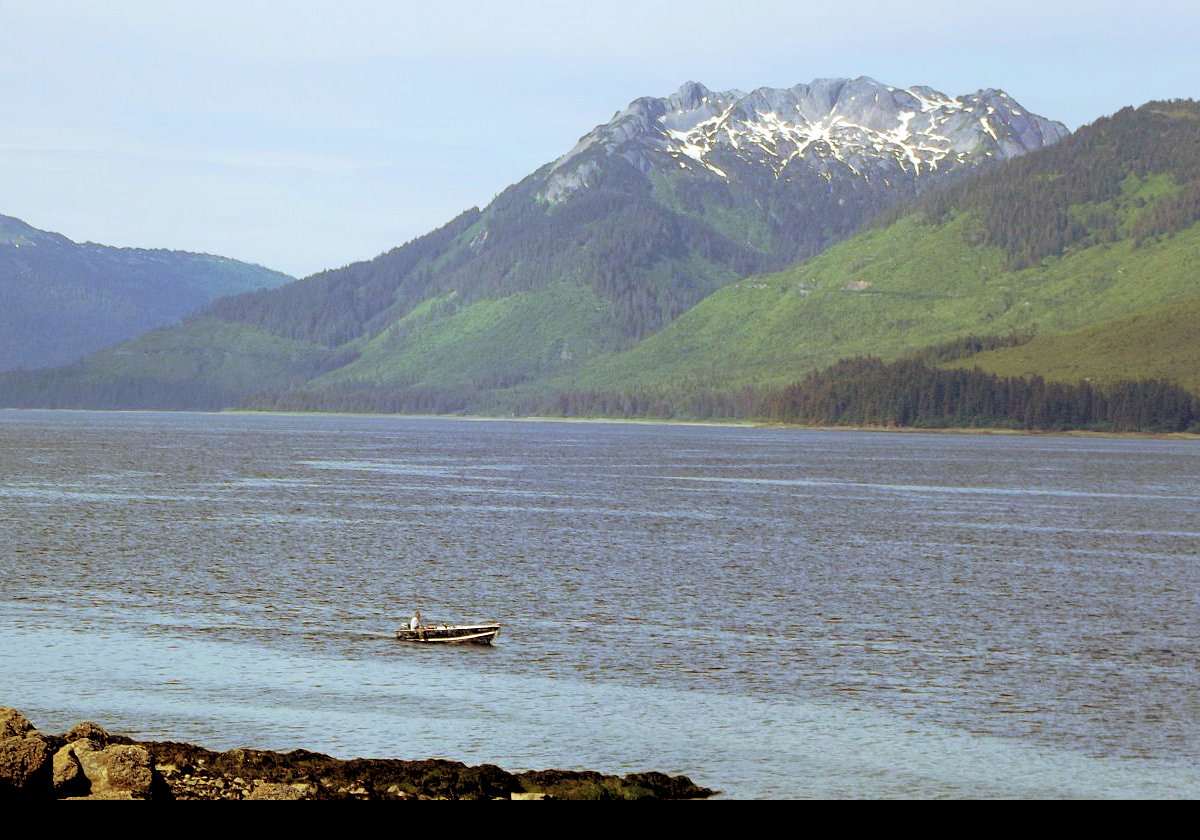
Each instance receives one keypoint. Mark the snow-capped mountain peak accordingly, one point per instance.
(831, 128)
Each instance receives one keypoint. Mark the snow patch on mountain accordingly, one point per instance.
(866, 129)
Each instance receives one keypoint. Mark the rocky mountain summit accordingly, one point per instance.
(828, 129)
(91, 763)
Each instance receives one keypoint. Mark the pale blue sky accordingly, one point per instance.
(306, 135)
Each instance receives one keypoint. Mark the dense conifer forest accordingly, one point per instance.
(868, 392)
(1034, 206)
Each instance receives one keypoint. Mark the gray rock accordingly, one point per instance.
(843, 128)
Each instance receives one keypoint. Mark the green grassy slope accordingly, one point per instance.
(1162, 343)
(207, 352)
(200, 364)
(484, 343)
(889, 293)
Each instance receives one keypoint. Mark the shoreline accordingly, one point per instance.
(983, 431)
(88, 762)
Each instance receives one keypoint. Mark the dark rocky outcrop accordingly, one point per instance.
(26, 758)
(90, 763)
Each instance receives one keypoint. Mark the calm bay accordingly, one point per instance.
(774, 612)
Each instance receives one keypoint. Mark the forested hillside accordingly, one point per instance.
(671, 200)
(1067, 246)
(1065, 275)
(1132, 176)
(867, 392)
(60, 300)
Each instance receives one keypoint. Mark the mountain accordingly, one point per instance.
(60, 300)
(668, 202)
(1086, 251)
(833, 130)
(675, 197)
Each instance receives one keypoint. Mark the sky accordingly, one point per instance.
(308, 135)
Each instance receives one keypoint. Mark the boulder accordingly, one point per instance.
(90, 731)
(26, 758)
(13, 724)
(69, 778)
(118, 771)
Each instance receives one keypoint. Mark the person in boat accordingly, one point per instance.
(414, 623)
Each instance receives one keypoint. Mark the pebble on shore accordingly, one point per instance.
(90, 763)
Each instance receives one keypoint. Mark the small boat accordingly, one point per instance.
(452, 634)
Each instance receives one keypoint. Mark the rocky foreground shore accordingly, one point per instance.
(91, 763)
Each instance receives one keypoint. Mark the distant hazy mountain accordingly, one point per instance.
(60, 300)
(650, 213)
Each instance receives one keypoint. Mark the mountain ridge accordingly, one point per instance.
(835, 118)
(528, 288)
(1082, 246)
(60, 300)
(651, 243)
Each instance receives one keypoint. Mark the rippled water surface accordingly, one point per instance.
(773, 612)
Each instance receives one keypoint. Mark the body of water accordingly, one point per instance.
(776, 613)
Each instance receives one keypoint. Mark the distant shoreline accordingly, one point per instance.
(986, 431)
